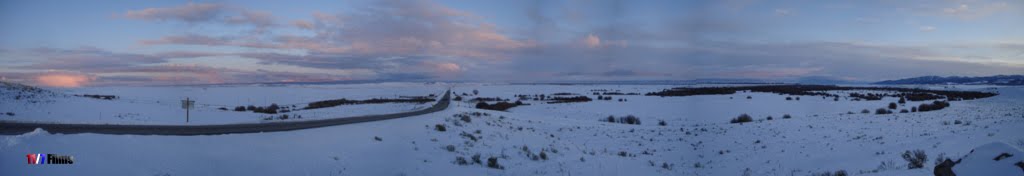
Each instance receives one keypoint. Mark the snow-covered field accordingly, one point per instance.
(697, 138)
(162, 105)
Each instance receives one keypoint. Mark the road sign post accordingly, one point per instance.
(187, 104)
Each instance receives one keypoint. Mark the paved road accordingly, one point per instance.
(16, 128)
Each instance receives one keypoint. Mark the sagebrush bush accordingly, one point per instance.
(632, 120)
(892, 105)
(742, 118)
(882, 111)
(915, 159)
(786, 116)
(440, 127)
(837, 173)
(936, 105)
(628, 119)
(492, 162)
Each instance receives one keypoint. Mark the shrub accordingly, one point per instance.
(450, 148)
(837, 173)
(476, 159)
(240, 108)
(913, 109)
(904, 111)
(769, 118)
(569, 99)
(882, 111)
(630, 119)
(457, 98)
(499, 106)
(789, 98)
(466, 119)
(915, 159)
(662, 122)
(936, 105)
(748, 97)
(440, 127)
(892, 105)
(492, 162)
(461, 161)
(543, 155)
(786, 116)
(742, 118)
(865, 111)
(903, 100)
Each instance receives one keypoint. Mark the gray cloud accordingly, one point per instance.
(189, 13)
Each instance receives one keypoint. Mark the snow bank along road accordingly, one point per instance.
(15, 128)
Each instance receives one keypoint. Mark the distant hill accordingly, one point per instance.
(984, 80)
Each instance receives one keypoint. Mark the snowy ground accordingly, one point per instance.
(697, 139)
(162, 105)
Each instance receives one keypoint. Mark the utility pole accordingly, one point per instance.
(186, 110)
(187, 104)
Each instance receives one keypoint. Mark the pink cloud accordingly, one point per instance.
(448, 67)
(591, 41)
(302, 24)
(68, 80)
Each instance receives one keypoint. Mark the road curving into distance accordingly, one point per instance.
(16, 128)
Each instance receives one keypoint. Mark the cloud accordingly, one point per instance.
(976, 10)
(189, 13)
(926, 28)
(957, 10)
(258, 19)
(782, 12)
(591, 41)
(448, 67)
(67, 80)
(302, 24)
(389, 37)
(206, 13)
(86, 58)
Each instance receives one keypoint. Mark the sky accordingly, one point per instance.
(102, 43)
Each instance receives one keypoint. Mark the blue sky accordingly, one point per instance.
(94, 43)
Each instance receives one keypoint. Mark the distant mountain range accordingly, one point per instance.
(984, 80)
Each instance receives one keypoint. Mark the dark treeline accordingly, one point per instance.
(911, 94)
(336, 102)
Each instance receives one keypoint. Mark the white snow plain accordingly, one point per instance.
(696, 140)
